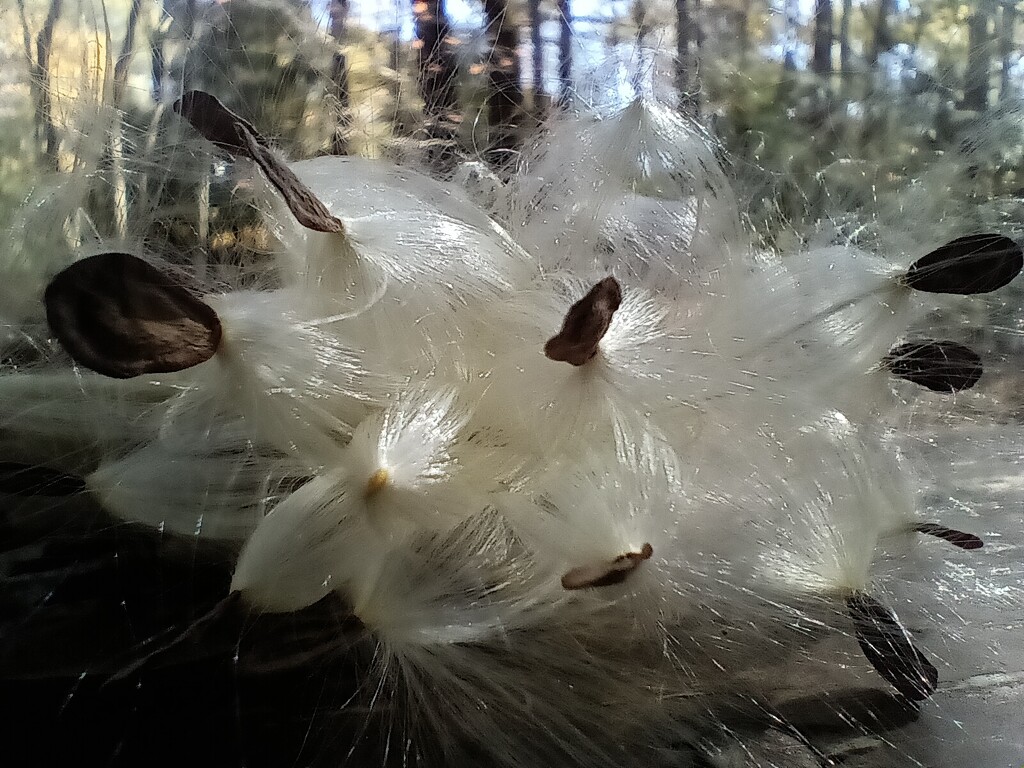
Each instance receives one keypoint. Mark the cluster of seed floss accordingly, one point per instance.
(561, 462)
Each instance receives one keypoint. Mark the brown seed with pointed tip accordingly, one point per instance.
(606, 574)
(216, 123)
(585, 324)
(304, 205)
(232, 133)
(119, 316)
(956, 538)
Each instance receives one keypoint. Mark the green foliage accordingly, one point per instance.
(808, 149)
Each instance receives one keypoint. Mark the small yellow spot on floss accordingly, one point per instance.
(376, 482)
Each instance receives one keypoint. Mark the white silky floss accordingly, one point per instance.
(529, 541)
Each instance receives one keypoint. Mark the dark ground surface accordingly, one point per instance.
(108, 586)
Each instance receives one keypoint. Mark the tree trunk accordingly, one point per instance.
(188, 27)
(743, 31)
(44, 105)
(1008, 18)
(26, 35)
(117, 144)
(979, 62)
(845, 51)
(437, 67)
(339, 78)
(33, 84)
(883, 35)
(505, 91)
(339, 81)
(641, 80)
(923, 19)
(537, 52)
(124, 58)
(822, 61)
(684, 33)
(792, 9)
(698, 30)
(338, 17)
(564, 51)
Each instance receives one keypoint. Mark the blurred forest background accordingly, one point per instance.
(822, 107)
(796, 88)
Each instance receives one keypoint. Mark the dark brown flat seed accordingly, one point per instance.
(26, 480)
(941, 366)
(117, 315)
(954, 537)
(889, 649)
(217, 123)
(304, 205)
(967, 265)
(585, 324)
(606, 574)
(232, 133)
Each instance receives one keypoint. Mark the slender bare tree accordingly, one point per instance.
(883, 40)
(537, 52)
(505, 91)
(124, 58)
(564, 50)
(683, 72)
(339, 10)
(979, 58)
(1007, 29)
(845, 50)
(438, 74)
(792, 21)
(821, 62)
(39, 68)
(743, 30)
